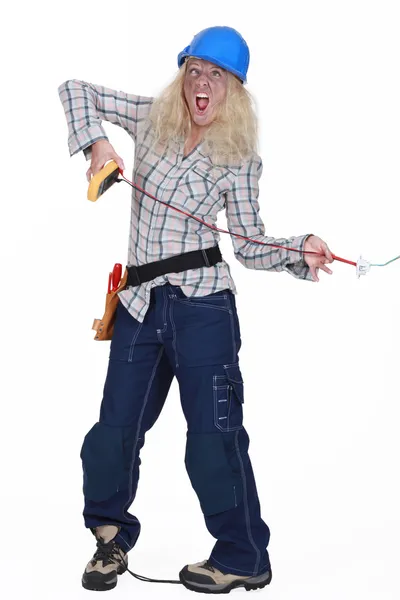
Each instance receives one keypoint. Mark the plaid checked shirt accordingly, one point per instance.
(192, 183)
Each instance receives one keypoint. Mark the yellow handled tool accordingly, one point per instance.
(103, 180)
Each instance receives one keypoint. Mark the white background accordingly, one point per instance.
(320, 361)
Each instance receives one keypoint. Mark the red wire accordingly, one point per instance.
(134, 185)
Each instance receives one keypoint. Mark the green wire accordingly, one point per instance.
(388, 262)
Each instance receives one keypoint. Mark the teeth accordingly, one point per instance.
(201, 96)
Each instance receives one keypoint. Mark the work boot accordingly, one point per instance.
(108, 561)
(203, 577)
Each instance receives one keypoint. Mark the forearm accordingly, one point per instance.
(83, 120)
(243, 217)
(259, 256)
(86, 105)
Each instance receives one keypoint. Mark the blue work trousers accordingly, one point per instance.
(197, 340)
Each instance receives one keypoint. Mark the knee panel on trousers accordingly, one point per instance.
(106, 460)
(214, 467)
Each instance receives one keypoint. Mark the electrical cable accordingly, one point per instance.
(214, 228)
(386, 263)
(109, 174)
(361, 265)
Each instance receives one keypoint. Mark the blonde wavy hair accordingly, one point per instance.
(231, 137)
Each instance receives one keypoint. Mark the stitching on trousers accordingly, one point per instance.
(211, 306)
(231, 399)
(174, 336)
(246, 507)
(234, 350)
(163, 330)
(217, 418)
(234, 353)
(122, 537)
(133, 342)
(138, 430)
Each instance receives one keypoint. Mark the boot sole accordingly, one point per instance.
(97, 582)
(252, 583)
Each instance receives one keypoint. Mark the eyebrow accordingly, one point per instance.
(193, 63)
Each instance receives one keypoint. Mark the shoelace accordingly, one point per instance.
(121, 561)
(208, 566)
(105, 552)
(110, 552)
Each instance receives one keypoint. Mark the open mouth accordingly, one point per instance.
(202, 101)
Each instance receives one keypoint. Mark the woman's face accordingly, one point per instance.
(204, 88)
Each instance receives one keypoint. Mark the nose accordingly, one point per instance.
(202, 81)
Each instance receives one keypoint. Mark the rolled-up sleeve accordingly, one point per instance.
(86, 105)
(243, 218)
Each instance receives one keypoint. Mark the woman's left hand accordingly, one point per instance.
(315, 262)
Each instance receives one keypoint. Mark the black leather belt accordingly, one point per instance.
(174, 264)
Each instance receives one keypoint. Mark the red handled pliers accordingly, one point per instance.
(114, 278)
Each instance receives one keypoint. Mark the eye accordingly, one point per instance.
(216, 73)
(194, 70)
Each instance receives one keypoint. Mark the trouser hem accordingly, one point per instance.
(235, 570)
(121, 538)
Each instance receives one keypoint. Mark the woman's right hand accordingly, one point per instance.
(102, 152)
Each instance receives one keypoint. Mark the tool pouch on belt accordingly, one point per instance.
(104, 327)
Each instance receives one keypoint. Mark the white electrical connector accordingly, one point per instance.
(363, 266)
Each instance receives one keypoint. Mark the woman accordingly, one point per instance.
(195, 148)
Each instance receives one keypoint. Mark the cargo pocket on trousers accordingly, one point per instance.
(106, 454)
(228, 399)
(214, 471)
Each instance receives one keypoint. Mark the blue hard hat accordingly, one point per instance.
(223, 46)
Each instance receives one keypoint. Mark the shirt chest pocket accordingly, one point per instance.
(201, 183)
(204, 190)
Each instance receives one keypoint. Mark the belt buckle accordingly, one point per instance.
(205, 256)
